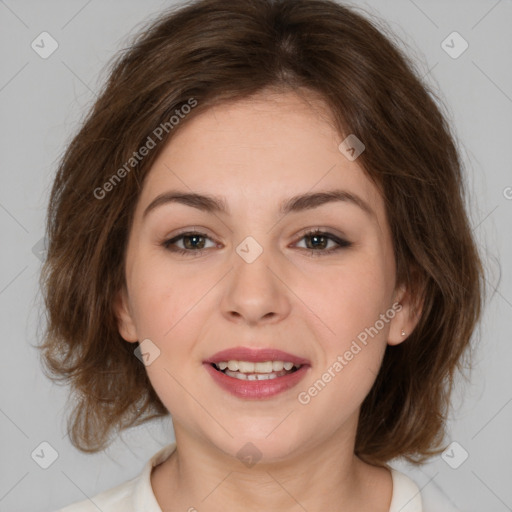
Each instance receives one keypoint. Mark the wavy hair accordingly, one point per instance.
(216, 51)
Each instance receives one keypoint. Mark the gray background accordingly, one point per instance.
(42, 101)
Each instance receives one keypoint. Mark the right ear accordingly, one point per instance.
(124, 317)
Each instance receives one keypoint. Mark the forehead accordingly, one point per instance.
(258, 152)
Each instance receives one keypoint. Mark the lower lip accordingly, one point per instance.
(257, 389)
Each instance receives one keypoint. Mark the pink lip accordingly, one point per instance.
(255, 355)
(256, 389)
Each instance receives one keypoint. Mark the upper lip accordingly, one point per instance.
(259, 355)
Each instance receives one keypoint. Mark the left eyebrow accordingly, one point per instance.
(314, 200)
(308, 201)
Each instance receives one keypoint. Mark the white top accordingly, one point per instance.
(137, 495)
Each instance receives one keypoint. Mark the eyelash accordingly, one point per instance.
(341, 243)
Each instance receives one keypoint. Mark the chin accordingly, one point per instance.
(261, 442)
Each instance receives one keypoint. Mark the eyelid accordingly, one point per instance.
(322, 230)
(192, 230)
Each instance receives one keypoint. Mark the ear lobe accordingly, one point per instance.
(406, 317)
(125, 322)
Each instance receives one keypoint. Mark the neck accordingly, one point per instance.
(200, 476)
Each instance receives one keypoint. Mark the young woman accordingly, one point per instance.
(260, 230)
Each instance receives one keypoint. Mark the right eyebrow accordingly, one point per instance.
(207, 203)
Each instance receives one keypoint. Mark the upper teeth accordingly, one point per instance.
(250, 367)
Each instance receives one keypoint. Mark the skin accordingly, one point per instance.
(256, 153)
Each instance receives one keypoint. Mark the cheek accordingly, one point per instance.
(351, 358)
(167, 306)
(163, 296)
(153, 305)
(371, 284)
(348, 298)
(353, 303)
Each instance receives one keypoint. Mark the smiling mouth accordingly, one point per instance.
(268, 370)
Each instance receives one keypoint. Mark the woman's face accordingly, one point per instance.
(252, 277)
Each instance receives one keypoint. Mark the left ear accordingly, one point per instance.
(408, 308)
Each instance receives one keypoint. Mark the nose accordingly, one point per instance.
(256, 292)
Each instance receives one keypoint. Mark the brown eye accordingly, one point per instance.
(317, 241)
(192, 242)
(320, 242)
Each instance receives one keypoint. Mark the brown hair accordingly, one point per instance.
(212, 51)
